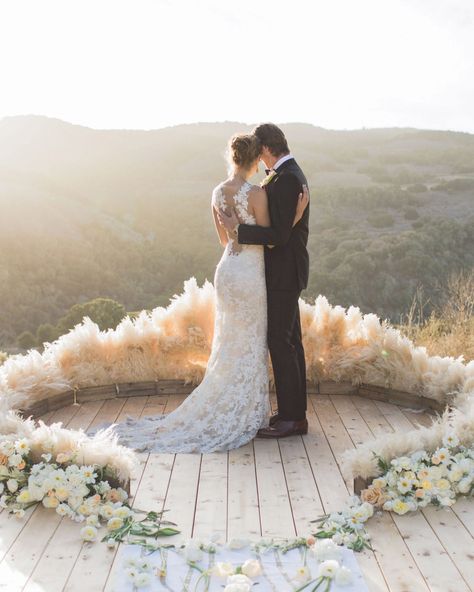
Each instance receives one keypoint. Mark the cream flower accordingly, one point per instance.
(89, 533)
(12, 485)
(328, 569)
(7, 448)
(400, 507)
(237, 587)
(24, 497)
(324, 549)
(443, 484)
(122, 512)
(63, 457)
(251, 568)
(50, 501)
(464, 485)
(223, 569)
(302, 574)
(114, 523)
(15, 459)
(239, 579)
(238, 543)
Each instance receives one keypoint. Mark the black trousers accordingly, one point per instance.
(287, 353)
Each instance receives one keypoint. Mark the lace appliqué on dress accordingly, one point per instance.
(226, 410)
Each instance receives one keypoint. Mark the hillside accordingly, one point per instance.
(125, 214)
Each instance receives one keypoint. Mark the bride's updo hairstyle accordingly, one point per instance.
(243, 150)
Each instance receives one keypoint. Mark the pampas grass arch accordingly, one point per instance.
(174, 343)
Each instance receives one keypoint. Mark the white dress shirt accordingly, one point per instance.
(281, 161)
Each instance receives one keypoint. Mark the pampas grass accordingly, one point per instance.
(175, 342)
(101, 449)
(361, 462)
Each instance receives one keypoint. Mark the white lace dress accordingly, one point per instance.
(232, 402)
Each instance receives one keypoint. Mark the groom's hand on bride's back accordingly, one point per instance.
(228, 220)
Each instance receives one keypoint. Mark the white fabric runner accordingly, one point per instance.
(278, 570)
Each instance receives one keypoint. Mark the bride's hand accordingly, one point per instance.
(303, 201)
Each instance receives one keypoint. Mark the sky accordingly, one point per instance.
(147, 64)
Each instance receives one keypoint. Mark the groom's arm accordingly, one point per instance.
(284, 201)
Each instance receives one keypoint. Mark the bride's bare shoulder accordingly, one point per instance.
(257, 193)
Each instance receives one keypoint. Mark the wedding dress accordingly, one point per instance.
(232, 401)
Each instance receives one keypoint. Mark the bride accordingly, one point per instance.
(231, 403)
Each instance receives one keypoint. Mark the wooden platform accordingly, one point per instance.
(270, 488)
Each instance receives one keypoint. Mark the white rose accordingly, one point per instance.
(14, 460)
(92, 520)
(12, 485)
(447, 501)
(343, 576)
(324, 549)
(122, 512)
(328, 569)
(7, 448)
(464, 485)
(2, 487)
(237, 588)
(252, 568)
(239, 579)
(223, 569)
(238, 543)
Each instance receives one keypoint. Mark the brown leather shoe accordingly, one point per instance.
(282, 428)
(274, 418)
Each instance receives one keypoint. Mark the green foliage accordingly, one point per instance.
(411, 214)
(107, 313)
(47, 333)
(380, 220)
(26, 340)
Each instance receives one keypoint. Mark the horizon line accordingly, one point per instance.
(228, 121)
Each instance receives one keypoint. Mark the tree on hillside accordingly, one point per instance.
(26, 340)
(107, 313)
(46, 333)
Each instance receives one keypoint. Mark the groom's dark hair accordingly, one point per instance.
(271, 136)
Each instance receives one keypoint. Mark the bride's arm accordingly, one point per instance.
(221, 231)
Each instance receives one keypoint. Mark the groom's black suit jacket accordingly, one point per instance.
(287, 264)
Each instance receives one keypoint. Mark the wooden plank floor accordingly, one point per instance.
(270, 488)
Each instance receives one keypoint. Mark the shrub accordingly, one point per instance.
(26, 340)
(380, 220)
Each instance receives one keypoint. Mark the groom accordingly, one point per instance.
(286, 271)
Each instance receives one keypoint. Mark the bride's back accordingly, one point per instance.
(234, 194)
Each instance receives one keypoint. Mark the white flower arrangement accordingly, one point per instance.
(80, 492)
(407, 483)
(242, 577)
